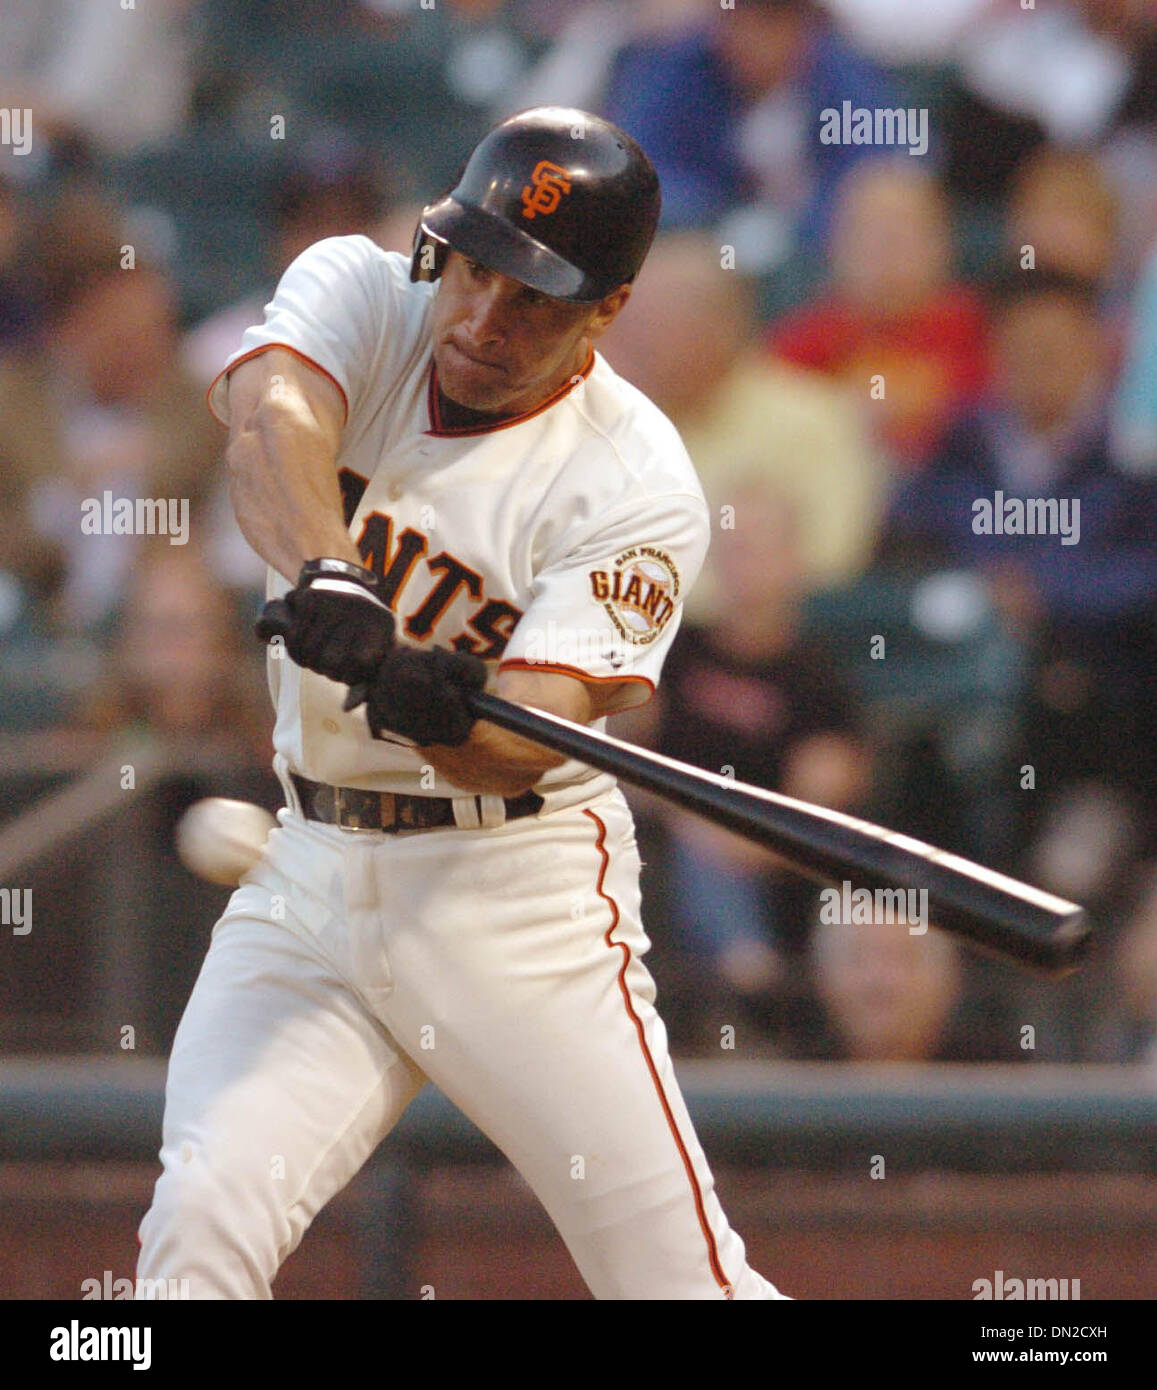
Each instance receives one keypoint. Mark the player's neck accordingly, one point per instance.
(452, 415)
(461, 417)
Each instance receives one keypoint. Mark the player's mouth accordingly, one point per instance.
(478, 362)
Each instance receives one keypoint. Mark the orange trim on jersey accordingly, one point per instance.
(518, 664)
(437, 428)
(256, 352)
(708, 1235)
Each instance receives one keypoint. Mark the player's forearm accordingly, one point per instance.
(284, 488)
(499, 763)
(492, 761)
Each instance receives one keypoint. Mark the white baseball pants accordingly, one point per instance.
(502, 964)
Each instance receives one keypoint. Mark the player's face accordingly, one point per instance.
(500, 346)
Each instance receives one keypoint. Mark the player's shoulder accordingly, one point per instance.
(642, 441)
(357, 264)
(352, 306)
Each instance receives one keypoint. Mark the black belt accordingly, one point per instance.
(356, 809)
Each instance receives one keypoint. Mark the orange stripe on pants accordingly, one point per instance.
(712, 1253)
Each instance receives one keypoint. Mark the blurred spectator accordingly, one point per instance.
(415, 82)
(101, 405)
(744, 694)
(687, 340)
(1130, 151)
(1085, 844)
(1049, 64)
(1076, 74)
(888, 995)
(1064, 208)
(730, 112)
(894, 315)
(180, 696)
(1086, 851)
(183, 665)
(184, 675)
(119, 73)
(17, 310)
(1135, 965)
(906, 31)
(577, 68)
(1085, 604)
(897, 989)
(331, 186)
(1134, 421)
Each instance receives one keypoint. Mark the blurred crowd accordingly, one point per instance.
(859, 343)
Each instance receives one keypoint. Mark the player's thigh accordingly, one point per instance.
(616, 1161)
(539, 1010)
(522, 989)
(279, 1076)
(603, 1084)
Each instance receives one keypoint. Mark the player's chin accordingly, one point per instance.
(476, 385)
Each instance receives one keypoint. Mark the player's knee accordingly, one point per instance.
(202, 1207)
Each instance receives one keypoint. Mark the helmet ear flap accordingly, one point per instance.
(428, 256)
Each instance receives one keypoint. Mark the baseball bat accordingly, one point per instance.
(1013, 920)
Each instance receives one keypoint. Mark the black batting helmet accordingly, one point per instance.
(557, 199)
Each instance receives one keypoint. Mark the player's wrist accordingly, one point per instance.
(335, 621)
(328, 574)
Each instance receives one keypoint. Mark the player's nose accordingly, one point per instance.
(489, 312)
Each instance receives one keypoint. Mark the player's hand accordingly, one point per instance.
(423, 695)
(335, 621)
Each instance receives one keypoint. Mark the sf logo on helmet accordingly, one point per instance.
(544, 192)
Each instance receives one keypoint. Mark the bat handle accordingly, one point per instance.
(275, 621)
(357, 696)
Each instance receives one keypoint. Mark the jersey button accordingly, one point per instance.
(329, 725)
(394, 492)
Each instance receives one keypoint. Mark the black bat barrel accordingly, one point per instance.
(1000, 914)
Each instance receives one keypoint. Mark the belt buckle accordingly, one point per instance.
(351, 819)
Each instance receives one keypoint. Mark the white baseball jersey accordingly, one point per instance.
(563, 539)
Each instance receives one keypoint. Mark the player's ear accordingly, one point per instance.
(607, 310)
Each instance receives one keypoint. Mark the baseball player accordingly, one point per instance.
(452, 490)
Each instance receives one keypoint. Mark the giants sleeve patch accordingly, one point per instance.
(638, 592)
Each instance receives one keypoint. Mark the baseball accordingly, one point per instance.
(220, 840)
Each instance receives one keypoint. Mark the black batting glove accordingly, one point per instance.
(423, 695)
(334, 622)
